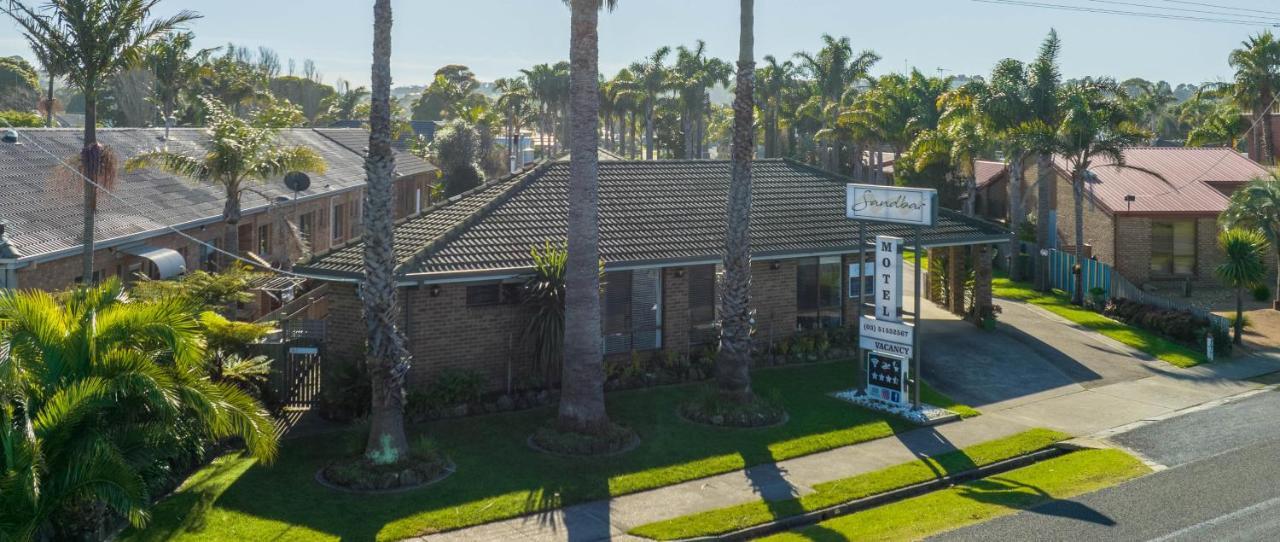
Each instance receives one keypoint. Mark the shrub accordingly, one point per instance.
(1261, 293)
(347, 393)
(453, 387)
(1181, 326)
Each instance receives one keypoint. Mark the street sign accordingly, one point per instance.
(888, 289)
(915, 206)
(887, 377)
(877, 345)
(893, 332)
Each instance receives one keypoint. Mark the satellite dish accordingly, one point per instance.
(297, 181)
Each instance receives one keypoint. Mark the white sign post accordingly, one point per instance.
(888, 270)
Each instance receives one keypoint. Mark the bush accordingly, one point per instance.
(20, 119)
(1181, 326)
(347, 393)
(1261, 293)
(450, 388)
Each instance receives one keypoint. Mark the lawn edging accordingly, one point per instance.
(1024, 449)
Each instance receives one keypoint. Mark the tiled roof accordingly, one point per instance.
(986, 171)
(43, 204)
(650, 212)
(1177, 180)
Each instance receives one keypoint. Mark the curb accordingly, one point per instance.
(887, 497)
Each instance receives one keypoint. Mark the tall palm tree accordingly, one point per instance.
(92, 387)
(93, 40)
(964, 124)
(1257, 81)
(582, 390)
(774, 78)
(1094, 125)
(514, 101)
(691, 76)
(240, 152)
(174, 66)
(1008, 108)
(651, 80)
(1045, 80)
(1242, 268)
(833, 69)
(733, 363)
(1257, 206)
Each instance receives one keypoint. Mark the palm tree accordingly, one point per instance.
(691, 76)
(833, 69)
(1222, 126)
(94, 390)
(387, 357)
(1094, 125)
(1008, 108)
(1151, 102)
(240, 152)
(53, 68)
(651, 80)
(1257, 81)
(582, 389)
(93, 40)
(1243, 267)
(174, 67)
(514, 101)
(1257, 206)
(964, 125)
(1045, 80)
(774, 78)
(733, 363)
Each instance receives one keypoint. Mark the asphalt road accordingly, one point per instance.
(1223, 484)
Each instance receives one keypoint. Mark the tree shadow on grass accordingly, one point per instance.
(1026, 497)
(583, 522)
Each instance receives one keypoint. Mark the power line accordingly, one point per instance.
(169, 227)
(1186, 2)
(1167, 16)
(1269, 19)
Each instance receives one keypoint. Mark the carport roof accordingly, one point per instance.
(652, 213)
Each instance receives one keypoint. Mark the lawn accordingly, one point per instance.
(909, 256)
(499, 477)
(1059, 303)
(980, 500)
(828, 494)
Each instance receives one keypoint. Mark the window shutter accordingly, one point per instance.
(617, 312)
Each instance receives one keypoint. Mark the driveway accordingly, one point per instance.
(1033, 355)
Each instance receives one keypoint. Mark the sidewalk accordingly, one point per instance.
(1140, 390)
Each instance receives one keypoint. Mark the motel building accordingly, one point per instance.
(662, 225)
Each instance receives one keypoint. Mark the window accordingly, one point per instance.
(1173, 248)
(339, 221)
(702, 304)
(264, 240)
(307, 225)
(818, 286)
(493, 294)
(209, 254)
(632, 311)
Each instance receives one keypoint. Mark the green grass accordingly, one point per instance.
(909, 256)
(499, 477)
(928, 395)
(733, 518)
(980, 500)
(1059, 303)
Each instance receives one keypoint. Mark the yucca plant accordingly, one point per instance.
(1243, 267)
(96, 395)
(544, 296)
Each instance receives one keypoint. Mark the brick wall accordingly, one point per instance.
(1208, 255)
(773, 295)
(1134, 261)
(1099, 229)
(675, 311)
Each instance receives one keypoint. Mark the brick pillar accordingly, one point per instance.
(955, 279)
(982, 281)
(933, 290)
(675, 310)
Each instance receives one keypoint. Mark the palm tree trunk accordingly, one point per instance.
(733, 376)
(686, 126)
(1077, 193)
(1015, 214)
(1045, 179)
(1239, 323)
(91, 161)
(48, 113)
(648, 129)
(387, 356)
(1268, 148)
(582, 407)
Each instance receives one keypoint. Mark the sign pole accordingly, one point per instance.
(862, 286)
(915, 321)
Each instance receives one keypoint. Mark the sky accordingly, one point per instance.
(498, 37)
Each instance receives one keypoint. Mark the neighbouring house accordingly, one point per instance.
(1155, 219)
(40, 202)
(662, 223)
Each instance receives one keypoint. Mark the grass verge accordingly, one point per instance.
(499, 477)
(1060, 304)
(980, 500)
(733, 518)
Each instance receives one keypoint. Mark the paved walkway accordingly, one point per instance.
(1042, 373)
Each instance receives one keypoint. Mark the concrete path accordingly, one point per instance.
(1044, 372)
